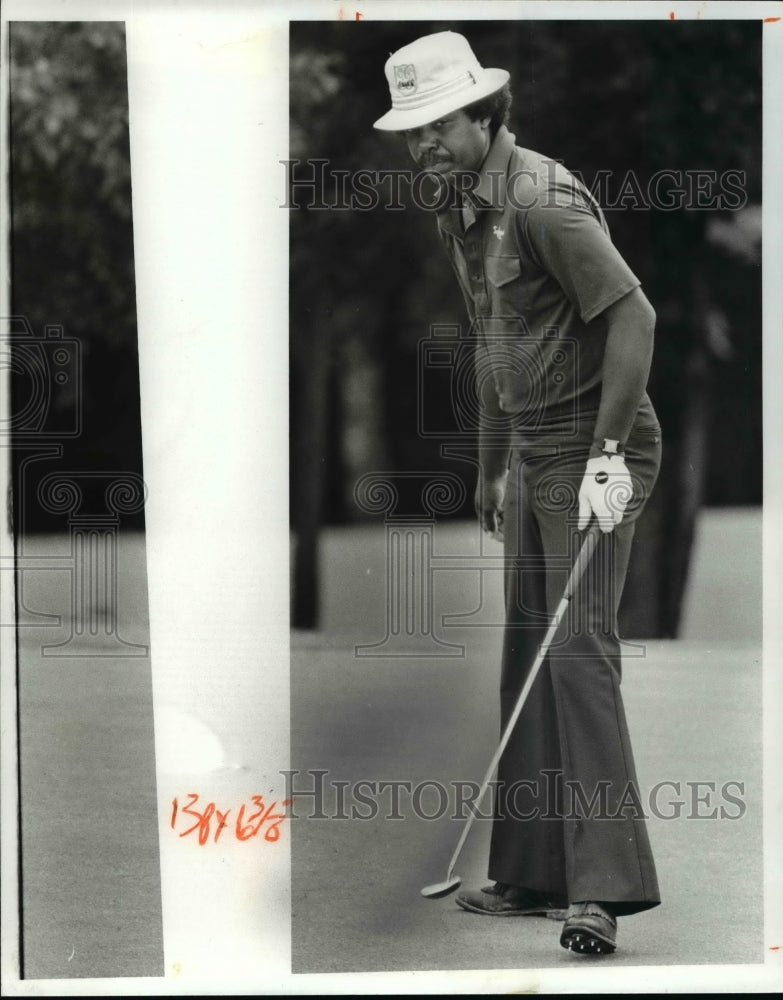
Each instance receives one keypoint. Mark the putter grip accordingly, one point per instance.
(584, 556)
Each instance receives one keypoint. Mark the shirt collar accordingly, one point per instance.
(491, 188)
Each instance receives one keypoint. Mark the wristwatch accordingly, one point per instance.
(611, 447)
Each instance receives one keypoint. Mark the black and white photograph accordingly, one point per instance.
(391, 406)
(477, 365)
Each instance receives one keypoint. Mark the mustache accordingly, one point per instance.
(430, 159)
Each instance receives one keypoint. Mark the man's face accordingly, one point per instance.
(453, 144)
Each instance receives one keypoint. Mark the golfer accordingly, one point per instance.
(563, 344)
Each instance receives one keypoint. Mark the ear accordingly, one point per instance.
(485, 122)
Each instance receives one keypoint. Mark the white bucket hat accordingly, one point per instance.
(434, 76)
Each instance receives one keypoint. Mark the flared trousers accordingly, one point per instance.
(569, 816)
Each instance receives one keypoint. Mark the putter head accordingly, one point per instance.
(441, 889)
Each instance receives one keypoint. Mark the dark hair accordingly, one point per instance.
(496, 107)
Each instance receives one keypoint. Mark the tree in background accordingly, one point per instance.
(615, 100)
(72, 229)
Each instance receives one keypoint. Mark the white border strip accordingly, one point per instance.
(9, 749)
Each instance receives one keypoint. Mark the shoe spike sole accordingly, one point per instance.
(587, 944)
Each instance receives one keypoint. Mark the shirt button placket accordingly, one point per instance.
(470, 258)
(475, 270)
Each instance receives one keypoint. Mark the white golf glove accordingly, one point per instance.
(606, 491)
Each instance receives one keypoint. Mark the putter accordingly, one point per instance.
(452, 881)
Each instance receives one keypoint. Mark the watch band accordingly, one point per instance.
(610, 447)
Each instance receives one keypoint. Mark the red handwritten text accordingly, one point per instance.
(210, 821)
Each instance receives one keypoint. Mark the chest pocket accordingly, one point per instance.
(502, 270)
(504, 285)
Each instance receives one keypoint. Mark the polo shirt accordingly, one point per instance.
(537, 267)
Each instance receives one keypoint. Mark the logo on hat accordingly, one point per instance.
(405, 78)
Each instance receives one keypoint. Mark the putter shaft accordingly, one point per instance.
(579, 567)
